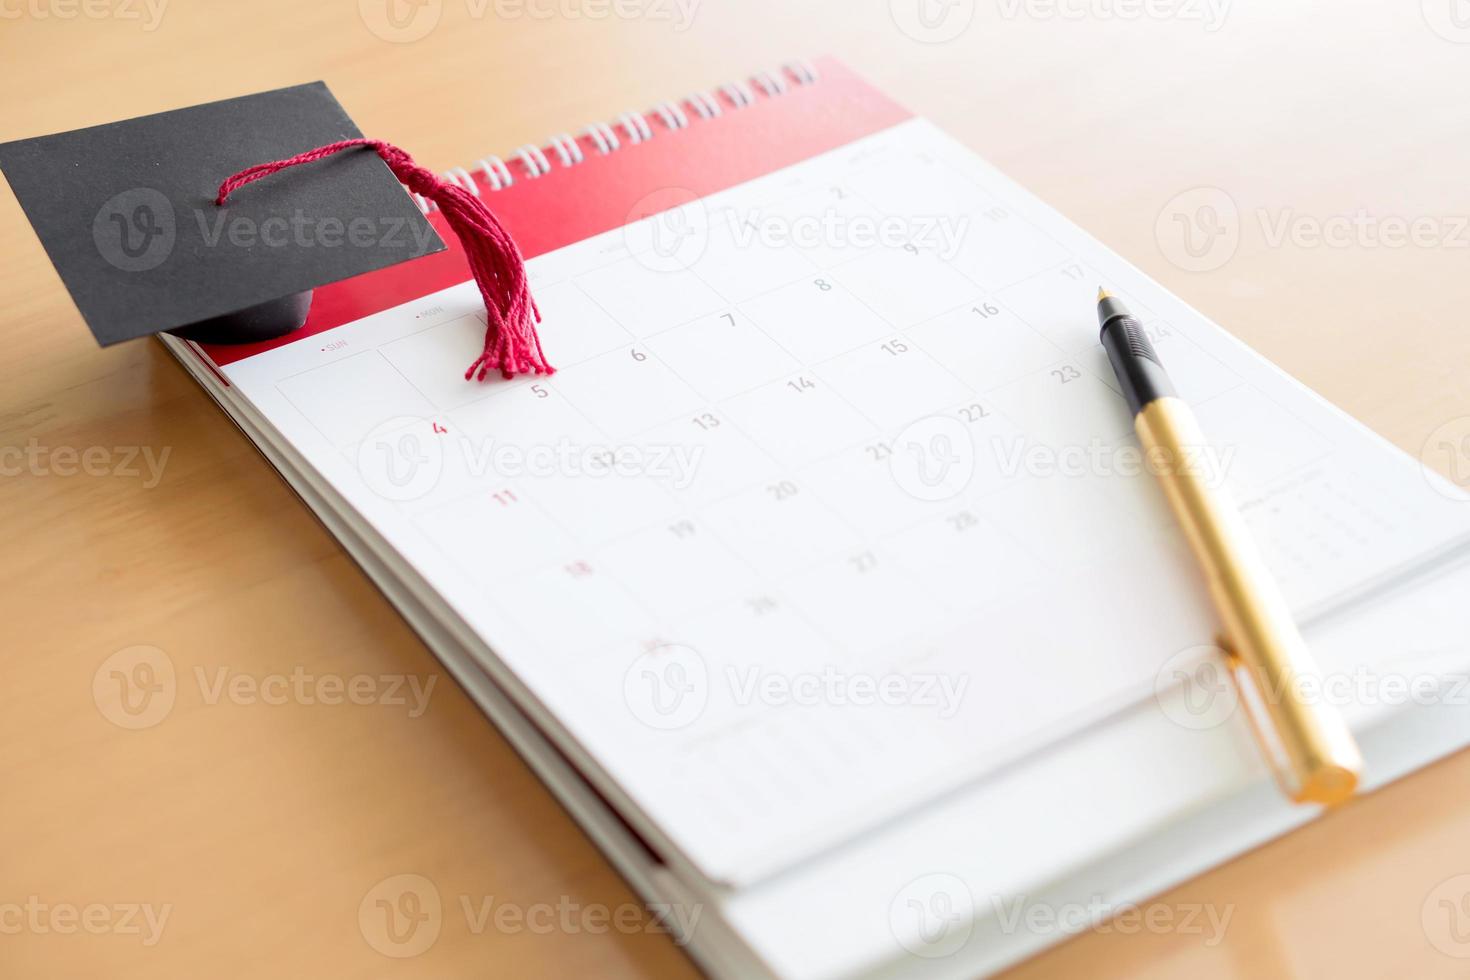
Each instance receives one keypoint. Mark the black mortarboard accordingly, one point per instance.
(126, 212)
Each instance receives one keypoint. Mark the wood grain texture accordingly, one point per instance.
(263, 826)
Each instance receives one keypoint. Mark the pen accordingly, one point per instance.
(1309, 746)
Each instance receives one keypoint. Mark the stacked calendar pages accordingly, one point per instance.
(822, 581)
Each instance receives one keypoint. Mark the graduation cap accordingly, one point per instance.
(151, 228)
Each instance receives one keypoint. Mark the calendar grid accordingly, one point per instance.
(979, 299)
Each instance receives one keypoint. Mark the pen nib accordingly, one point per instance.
(1102, 294)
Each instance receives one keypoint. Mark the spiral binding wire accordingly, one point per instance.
(566, 150)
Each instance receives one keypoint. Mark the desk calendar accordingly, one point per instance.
(823, 515)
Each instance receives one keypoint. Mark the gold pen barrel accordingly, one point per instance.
(1310, 745)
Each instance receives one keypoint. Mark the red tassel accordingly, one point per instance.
(511, 342)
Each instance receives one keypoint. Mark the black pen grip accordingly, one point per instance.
(1135, 362)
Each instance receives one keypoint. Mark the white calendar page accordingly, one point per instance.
(828, 509)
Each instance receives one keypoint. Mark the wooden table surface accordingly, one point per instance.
(134, 515)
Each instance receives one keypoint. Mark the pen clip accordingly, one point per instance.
(1263, 729)
(1330, 777)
